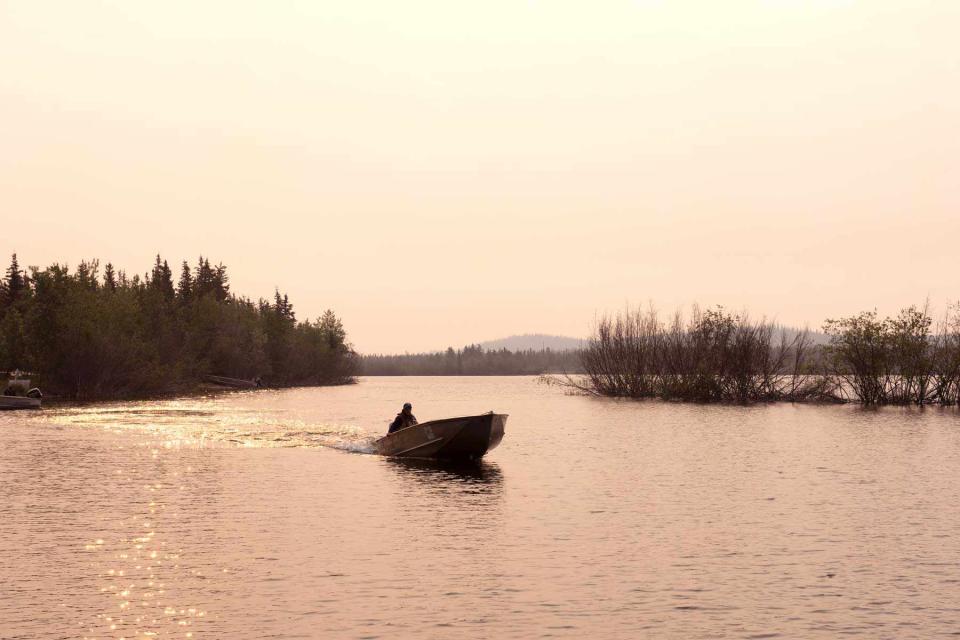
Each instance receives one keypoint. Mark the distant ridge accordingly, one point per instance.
(534, 341)
(817, 338)
(540, 341)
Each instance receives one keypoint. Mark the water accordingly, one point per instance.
(255, 515)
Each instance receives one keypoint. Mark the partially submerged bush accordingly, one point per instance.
(718, 356)
(712, 356)
(899, 360)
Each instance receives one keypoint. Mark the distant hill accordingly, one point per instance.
(539, 341)
(816, 337)
(535, 341)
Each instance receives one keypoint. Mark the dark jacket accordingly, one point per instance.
(402, 421)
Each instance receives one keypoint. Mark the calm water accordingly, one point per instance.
(256, 515)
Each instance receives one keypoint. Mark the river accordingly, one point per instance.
(262, 515)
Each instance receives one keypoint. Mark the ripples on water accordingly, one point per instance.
(237, 516)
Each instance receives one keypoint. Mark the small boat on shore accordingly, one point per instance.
(19, 402)
(235, 383)
(16, 392)
(464, 438)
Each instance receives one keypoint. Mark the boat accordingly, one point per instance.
(16, 392)
(464, 438)
(236, 383)
(19, 402)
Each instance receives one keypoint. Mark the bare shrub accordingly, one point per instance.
(717, 356)
(712, 356)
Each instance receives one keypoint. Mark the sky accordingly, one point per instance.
(441, 173)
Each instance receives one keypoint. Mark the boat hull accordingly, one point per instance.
(18, 402)
(465, 438)
(235, 383)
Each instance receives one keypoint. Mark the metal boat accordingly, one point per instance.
(236, 383)
(465, 438)
(19, 402)
(16, 392)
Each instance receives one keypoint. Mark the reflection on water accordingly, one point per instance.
(262, 515)
(472, 473)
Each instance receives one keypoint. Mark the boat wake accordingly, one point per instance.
(193, 426)
(333, 437)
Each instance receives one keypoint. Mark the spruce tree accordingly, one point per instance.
(221, 286)
(185, 286)
(166, 281)
(109, 277)
(87, 273)
(203, 280)
(15, 282)
(161, 278)
(332, 329)
(142, 352)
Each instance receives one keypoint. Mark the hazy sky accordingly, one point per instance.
(446, 172)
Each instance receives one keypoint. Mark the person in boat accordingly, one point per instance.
(404, 419)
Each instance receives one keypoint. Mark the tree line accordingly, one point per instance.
(92, 335)
(472, 360)
(714, 355)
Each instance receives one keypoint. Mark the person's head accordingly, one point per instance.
(407, 407)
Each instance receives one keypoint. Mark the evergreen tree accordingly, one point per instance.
(282, 307)
(203, 279)
(331, 328)
(161, 278)
(185, 286)
(87, 273)
(166, 281)
(15, 282)
(220, 284)
(120, 339)
(13, 342)
(109, 277)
